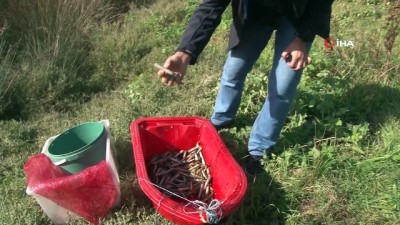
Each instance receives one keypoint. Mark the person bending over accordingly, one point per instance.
(296, 23)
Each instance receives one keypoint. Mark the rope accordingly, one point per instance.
(213, 210)
(158, 206)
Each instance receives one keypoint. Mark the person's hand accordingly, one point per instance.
(178, 64)
(296, 54)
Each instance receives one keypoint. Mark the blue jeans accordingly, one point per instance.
(282, 83)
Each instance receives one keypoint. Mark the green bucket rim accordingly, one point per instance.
(79, 150)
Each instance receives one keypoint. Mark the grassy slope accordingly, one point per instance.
(342, 153)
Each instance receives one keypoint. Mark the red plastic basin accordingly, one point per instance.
(156, 135)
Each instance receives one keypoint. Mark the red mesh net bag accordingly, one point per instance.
(90, 193)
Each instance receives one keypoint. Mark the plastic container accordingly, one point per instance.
(60, 215)
(151, 136)
(79, 147)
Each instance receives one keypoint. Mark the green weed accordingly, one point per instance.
(337, 159)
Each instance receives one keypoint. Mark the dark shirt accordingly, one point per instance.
(269, 12)
(309, 17)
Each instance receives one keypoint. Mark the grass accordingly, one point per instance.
(338, 157)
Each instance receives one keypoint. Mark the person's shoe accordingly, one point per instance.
(253, 165)
(224, 126)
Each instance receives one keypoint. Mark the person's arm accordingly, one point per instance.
(197, 34)
(201, 26)
(315, 20)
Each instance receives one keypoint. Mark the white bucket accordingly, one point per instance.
(58, 214)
